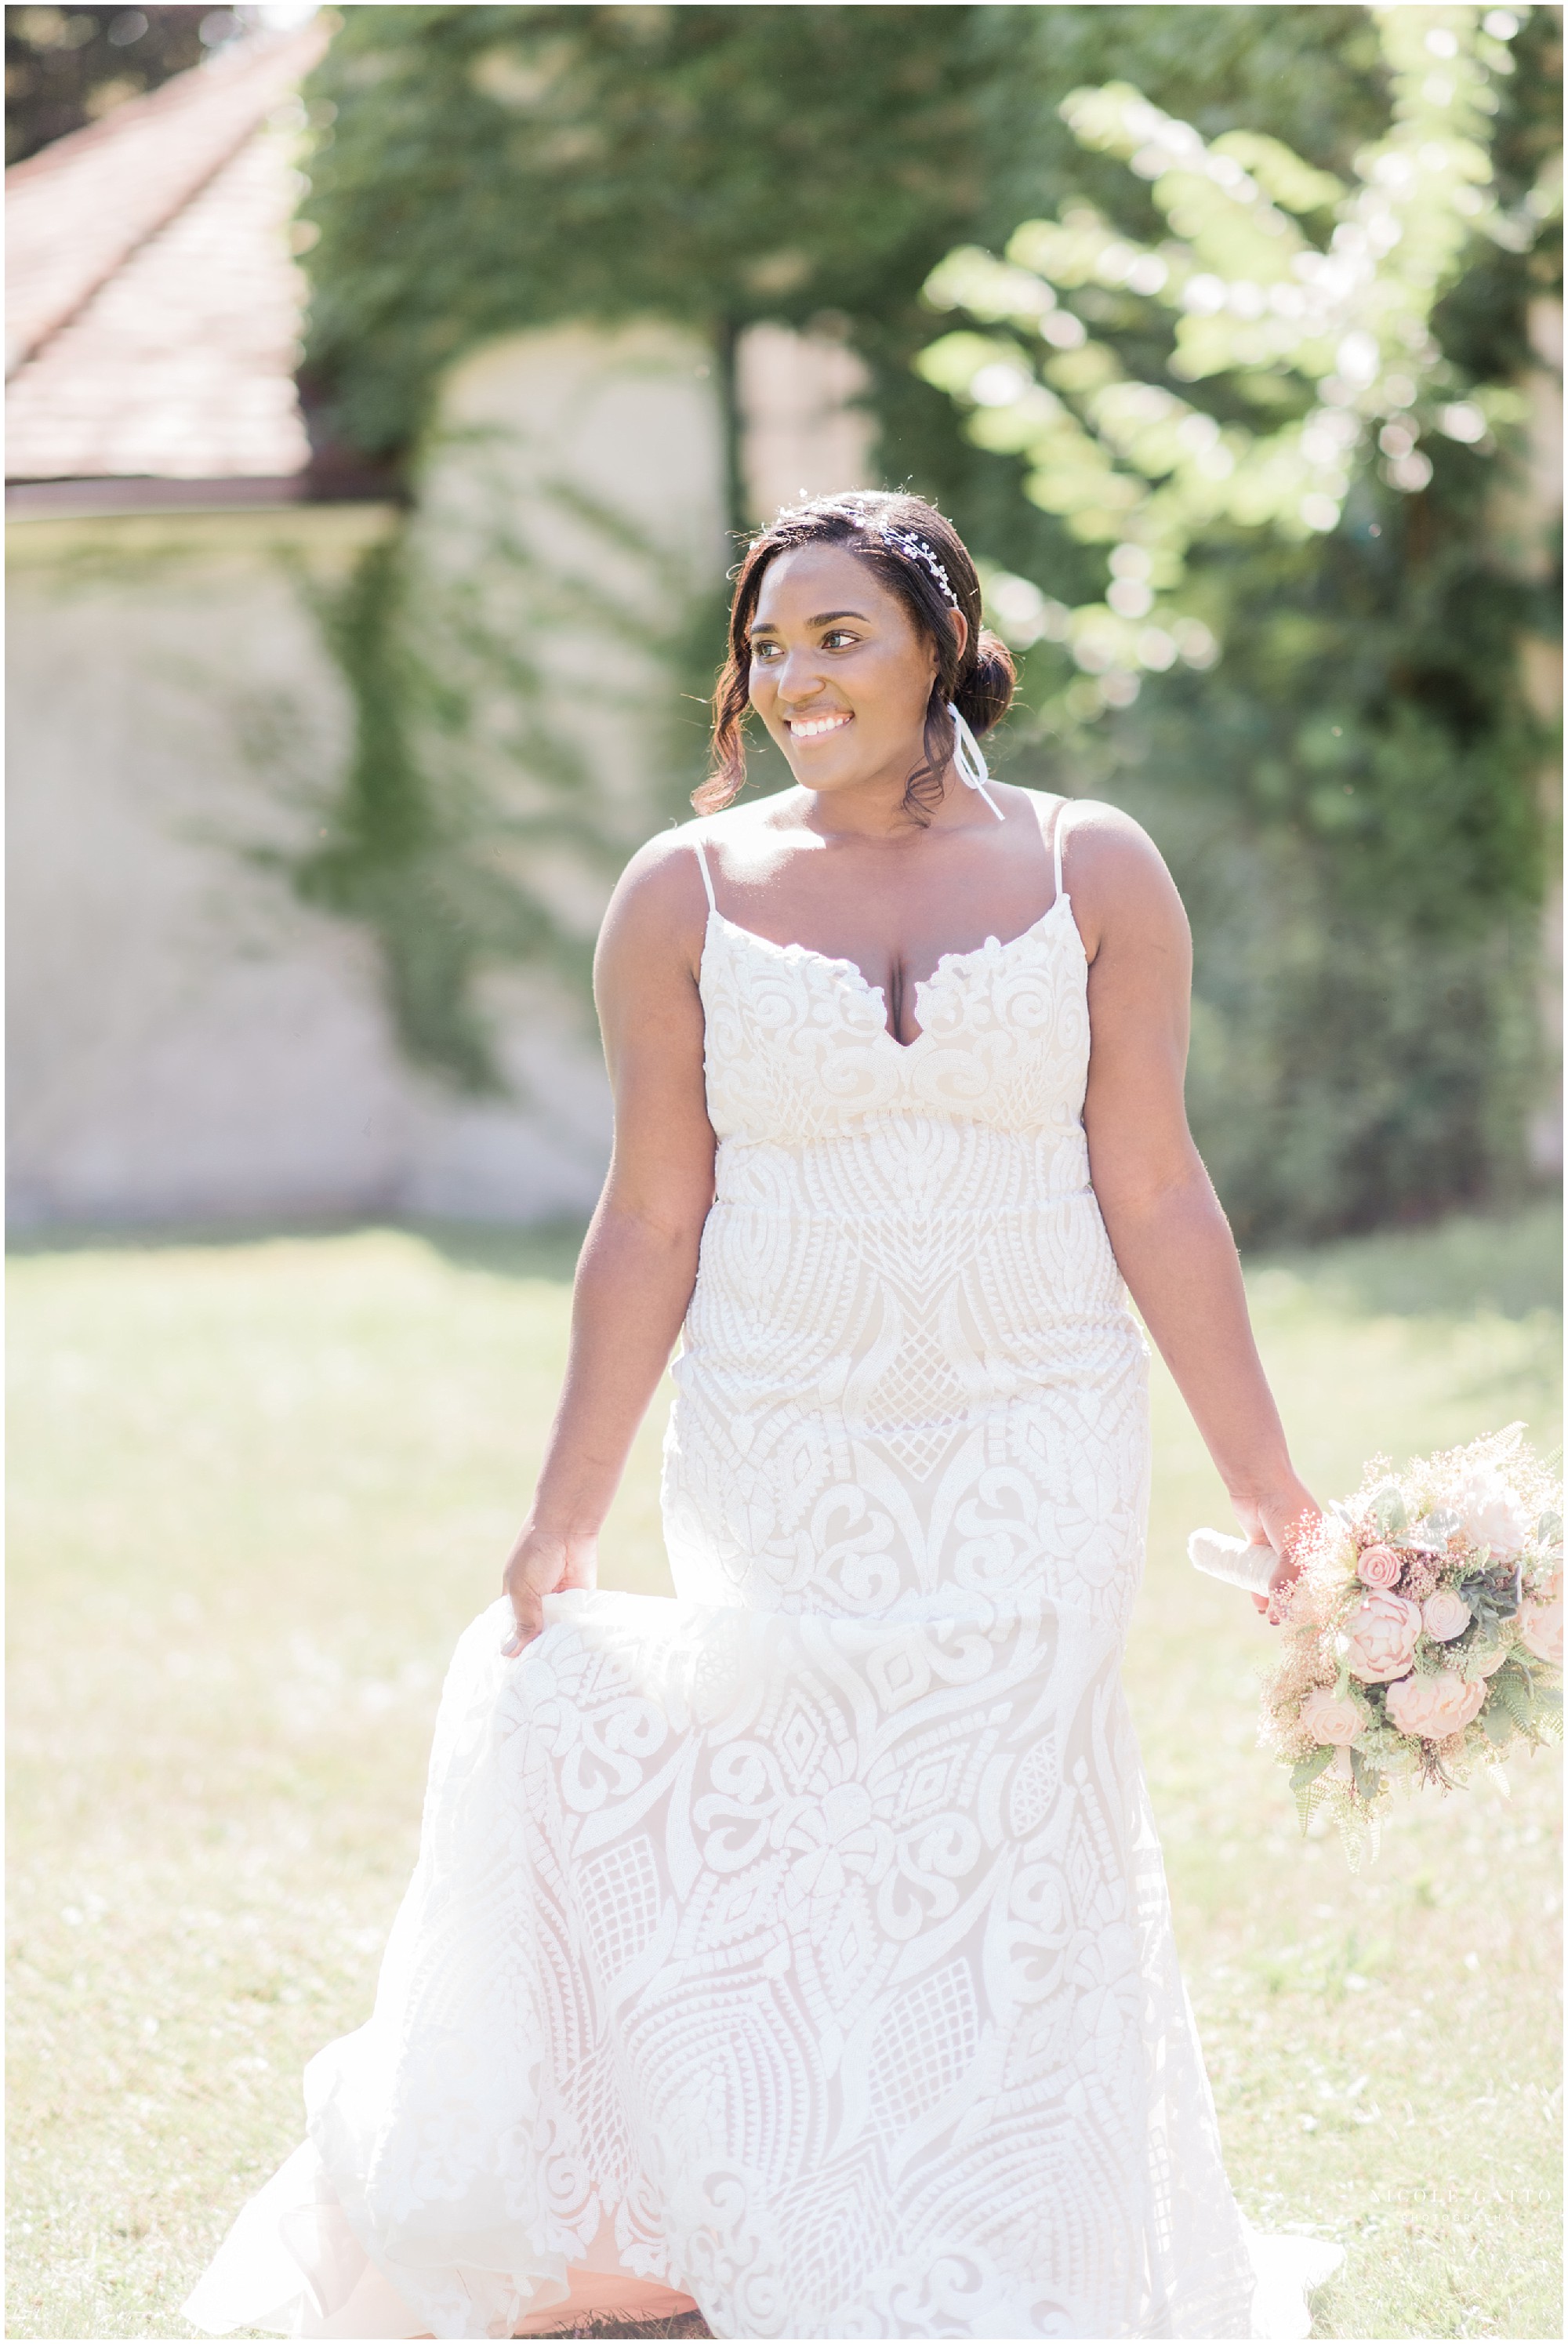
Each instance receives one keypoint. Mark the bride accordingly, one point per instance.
(800, 1948)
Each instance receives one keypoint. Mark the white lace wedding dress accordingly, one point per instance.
(802, 1945)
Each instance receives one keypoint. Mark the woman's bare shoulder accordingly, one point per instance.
(1112, 833)
(657, 914)
(1115, 873)
(664, 863)
(1104, 837)
(663, 879)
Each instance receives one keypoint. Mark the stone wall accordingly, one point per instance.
(188, 1041)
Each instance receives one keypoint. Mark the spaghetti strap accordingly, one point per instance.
(1057, 837)
(707, 875)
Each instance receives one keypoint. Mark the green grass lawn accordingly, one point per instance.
(259, 1485)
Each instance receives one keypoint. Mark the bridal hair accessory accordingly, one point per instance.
(919, 551)
(1423, 1631)
(971, 766)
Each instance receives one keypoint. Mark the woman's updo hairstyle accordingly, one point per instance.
(924, 560)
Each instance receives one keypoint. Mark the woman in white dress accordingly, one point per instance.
(801, 1948)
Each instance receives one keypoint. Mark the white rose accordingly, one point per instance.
(1541, 1631)
(1379, 1637)
(1491, 1513)
(1433, 1708)
(1327, 1718)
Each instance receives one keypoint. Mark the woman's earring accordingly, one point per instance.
(972, 770)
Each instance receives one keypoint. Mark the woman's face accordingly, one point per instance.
(840, 674)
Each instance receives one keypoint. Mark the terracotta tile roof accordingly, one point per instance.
(152, 300)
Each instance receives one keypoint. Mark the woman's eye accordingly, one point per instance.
(838, 639)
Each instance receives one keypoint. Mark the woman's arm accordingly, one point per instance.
(1172, 1243)
(639, 1260)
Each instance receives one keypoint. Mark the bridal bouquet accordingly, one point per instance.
(1425, 1633)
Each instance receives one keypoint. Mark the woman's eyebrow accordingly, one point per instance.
(822, 618)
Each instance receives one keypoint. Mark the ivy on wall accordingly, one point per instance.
(473, 827)
(1348, 798)
(409, 860)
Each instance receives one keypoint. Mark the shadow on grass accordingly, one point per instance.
(548, 1250)
(1510, 1264)
(541, 1249)
(1473, 1262)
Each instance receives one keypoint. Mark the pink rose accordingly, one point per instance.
(1380, 1566)
(1434, 1707)
(1327, 1718)
(1491, 1663)
(1444, 1615)
(1380, 1637)
(1541, 1630)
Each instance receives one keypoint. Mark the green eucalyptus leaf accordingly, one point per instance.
(1387, 1511)
(1306, 1770)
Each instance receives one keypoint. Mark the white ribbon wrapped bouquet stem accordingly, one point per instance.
(1235, 1560)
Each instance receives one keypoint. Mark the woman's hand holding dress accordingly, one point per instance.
(541, 1564)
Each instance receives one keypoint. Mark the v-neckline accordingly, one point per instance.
(879, 993)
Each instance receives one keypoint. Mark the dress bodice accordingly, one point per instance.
(908, 1364)
(798, 1048)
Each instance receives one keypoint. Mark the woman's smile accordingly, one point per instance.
(812, 728)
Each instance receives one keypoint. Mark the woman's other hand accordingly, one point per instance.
(542, 1564)
(1281, 1519)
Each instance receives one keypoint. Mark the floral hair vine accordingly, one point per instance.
(919, 551)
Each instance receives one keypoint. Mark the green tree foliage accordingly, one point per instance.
(1318, 348)
(1348, 797)
(1197, 381)
(479, 169)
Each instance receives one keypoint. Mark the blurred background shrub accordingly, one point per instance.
(1230, 376)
